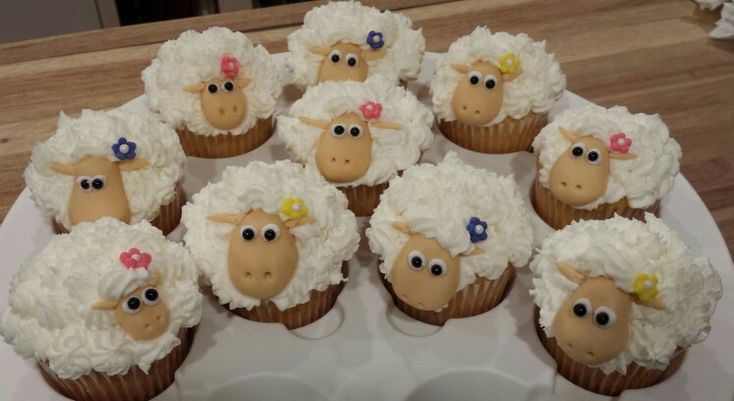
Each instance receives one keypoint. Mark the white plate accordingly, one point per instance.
(365, 349)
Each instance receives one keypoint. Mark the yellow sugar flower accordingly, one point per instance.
(294, 208)
(509, 63)
(645, 286)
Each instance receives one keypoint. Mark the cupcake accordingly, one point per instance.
(272, 240)
(348, 41)
(357, 136)
(108, 164)
(448, 237)
(620, 301)
(108, 311)
(216, 89)
(492, 92)
(594, 163)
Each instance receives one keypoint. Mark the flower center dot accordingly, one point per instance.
(136, 257)
(124, 148)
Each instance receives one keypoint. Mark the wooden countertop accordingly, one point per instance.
(654, 56)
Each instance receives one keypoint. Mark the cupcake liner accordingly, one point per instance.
(476, 298)
(363, 199)
(558, 214)
(508, 136)
(135, 385)
(318, 305)
(167, 219)
(225, 145)
(593, 379)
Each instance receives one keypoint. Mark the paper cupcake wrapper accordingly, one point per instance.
(225, 145)
(476, 298)
(506, 137)
(167, 219)
(363, 199)
(135, 385)
(319, 304)
(558, 214)
(593, 379)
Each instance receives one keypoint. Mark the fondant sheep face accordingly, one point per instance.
(345, 61)
(98, 189)
(262, 255)
(344, 149)
(141, 313)
(478, 96)
(223, 99)
(592, 324)
(580, 175)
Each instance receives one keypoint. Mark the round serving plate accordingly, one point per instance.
(366, 349)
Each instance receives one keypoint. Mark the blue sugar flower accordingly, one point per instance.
(374, 39)
(477, 229)
(124, 149)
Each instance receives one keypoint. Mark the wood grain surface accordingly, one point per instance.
(654, 56)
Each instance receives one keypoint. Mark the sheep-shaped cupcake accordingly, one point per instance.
(348, 41)
(620, 300)
(272, 241)
(595, 162)
(492, 91)
(448, 236)
(107, 309)
(357, 135)
(108, 164)
(216, 89)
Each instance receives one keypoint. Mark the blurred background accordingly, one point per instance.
(28, 19)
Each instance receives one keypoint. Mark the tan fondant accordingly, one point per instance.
(224, 109)
(344, 158)
(110, 200)
(476, 105)
(420, 288)
(341, 71)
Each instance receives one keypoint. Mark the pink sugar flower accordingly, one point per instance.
(370, 110)
(620, 143)
(230, 66)
(134, 259)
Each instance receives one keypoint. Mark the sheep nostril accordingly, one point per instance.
(463, 107)
(578, 187)
(569, 345)
(589, 354)
(333, 159)
(248, 275)
(268, 275)
(476, 111)
(221, 111)
(563, 183)
(346, 161)
(158, 318)
(234, 108)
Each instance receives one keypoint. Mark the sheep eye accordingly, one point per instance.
(150, 296)
(438, 267)
(352, 60)
(578, 150)
(212, 88)
(581, 307)
(490, 82)
(228, 86)
(132, 305)
(594, 157)
(248, 232)
(271, 232)
(355, 131)
(416, 260)
(98, 182)
(474, 78)
(85, 183)
(604, 317)
(335, 56)
(337, 130)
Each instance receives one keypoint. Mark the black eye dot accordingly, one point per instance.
(248, 234)
(602, 318)
(474, 80)
(212, 88)
(338, 129)
(270, 235)
(490, 84)
(579, 310)
(97, 183)
(577, 151)
(335, 58)
(351, 61)
(84, 184)
(133, 303)
(416, 261)
(228, 86)
(436, 270)
(151, 294)
(355, 131)
(593, 156)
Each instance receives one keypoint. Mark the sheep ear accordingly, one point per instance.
(622, 156)
(510, 77)
(370, 55)
(386, 125)
(154, 279)
(461, 68)
(321, 51)
(105, 304)
(402, 226)
(570, 135)
(65, 169)
(242, 82)
(132, 164)
(232, 219)
(293, 223)
(570, 272)
(314, 122)
(654, 303)
(477, 251)
(195, 88)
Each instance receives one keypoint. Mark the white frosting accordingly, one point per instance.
(351, 22)
(538, 86)
(725, 25)
(392, 150)
(50, 316)
(642, 180)
(438, 201)
(322, 246)
(196, 56)
(93, 134)
(620, 249)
